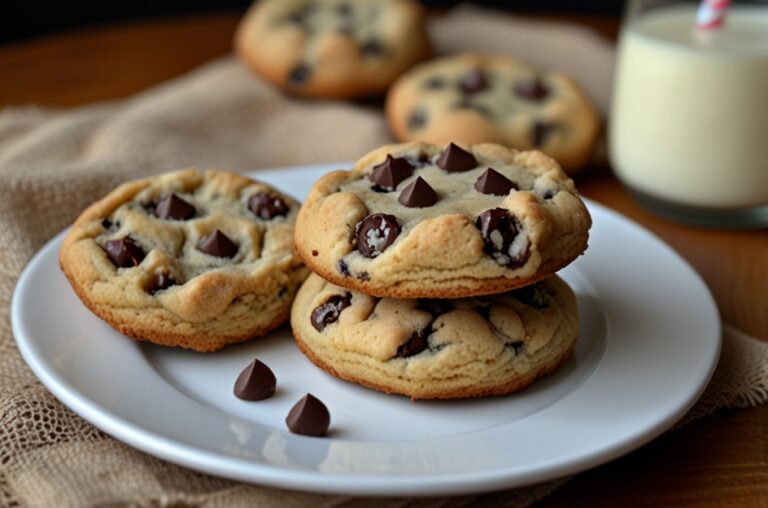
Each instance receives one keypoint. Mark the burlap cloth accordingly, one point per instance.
(53, 163)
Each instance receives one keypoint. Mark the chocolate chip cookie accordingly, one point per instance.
(332, 48)
(192, 259)
(437, 349)
(474, 98)
(423, 221)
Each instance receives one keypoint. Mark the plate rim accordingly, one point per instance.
(363, 484)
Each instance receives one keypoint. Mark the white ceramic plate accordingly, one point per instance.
(649, 341)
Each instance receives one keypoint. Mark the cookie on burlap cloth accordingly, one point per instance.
(332, 48)
(192, 259)
(425, 221)
(437, 349)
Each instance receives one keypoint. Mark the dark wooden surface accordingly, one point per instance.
(720, 461)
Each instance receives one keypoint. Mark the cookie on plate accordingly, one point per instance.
(473, 98)
(332, 48)
(418, 220)
(437, 349)
(192, 259)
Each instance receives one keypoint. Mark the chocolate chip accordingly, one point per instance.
(124, 253)
(172, 207)
(532, 296)
(418, 194)
(493, 182)
(435, 306)
(107, 224)
(472, 82)
(163, 279)
(255, 382)
(454, 159)
(267, 206)
(343, 268)
(309, 417)
(372, 47)
(504, 239)
(417, 343)
(541, 132)
(315, 253)
(363, 276)
(465, 104)
(434, 83)
(416, 120)
(375, 233)
(217, 244)
(391, 172)
(329, 311)
(532, 89)
(299, 75)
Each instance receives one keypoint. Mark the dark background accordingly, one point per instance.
(23, 19)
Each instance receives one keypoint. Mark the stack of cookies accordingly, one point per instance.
(434, 270)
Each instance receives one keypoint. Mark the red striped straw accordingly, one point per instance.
(711, 14)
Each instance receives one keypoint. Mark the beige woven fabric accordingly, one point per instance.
(53, 163)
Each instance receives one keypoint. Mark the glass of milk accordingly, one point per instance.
(688, 134)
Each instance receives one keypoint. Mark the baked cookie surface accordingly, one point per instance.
(437, 349)
(474, 98)
(332, 48)
(192, 259)
(418, 220)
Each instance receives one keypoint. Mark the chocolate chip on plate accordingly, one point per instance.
(163, 279)
(375, 233)
(504, 238)
(418, 194)
(417, 343)
(309, 417)
(455, 159)
(299, 75)
(493, 182)
(267, 206)
(172, 207)
(541, 132)
(125, 252)
(329, 311)
(473, 81)
(217, 244)
(435, 306)
(255, 382)
(388, 175)
(532, 89)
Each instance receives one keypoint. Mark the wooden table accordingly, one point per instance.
(719, 461)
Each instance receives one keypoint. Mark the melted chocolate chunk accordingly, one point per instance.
(375, 233)
(343, 268)
(163, 280)
(436, 307)
(415, 345)
(309, 417)
(472, 82)
(541, 132)
(299, 75)
(532, 89)
(267, 206)
(172, 207)
(503, 237)
(418, 194)
(329, 311)
(217, 244)
(124, 253)
(455, 159)
(416, 120)
(493, 182)
(255, 382)
(388, 175)
(435, 83)
(372, 47)
(533, 296)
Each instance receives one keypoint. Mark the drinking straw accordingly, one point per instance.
(711, 14)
